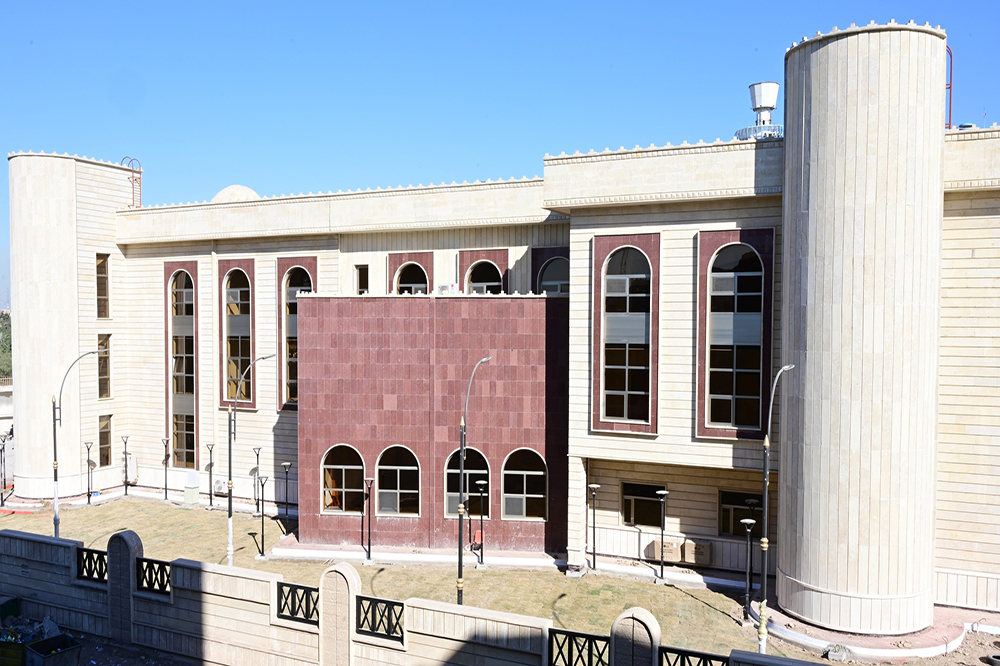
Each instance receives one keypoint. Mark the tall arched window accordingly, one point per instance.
(412, 280)
(553, 279)
(297, 281)
(736, 283)
(476, 469)
(484, 278)
(183, 369)
(343, 480)
(398, 475)
(627, 336)
(238, 348)
(525, 486)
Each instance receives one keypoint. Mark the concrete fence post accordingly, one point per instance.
(123, 549)
(337, 588)
(635, 639)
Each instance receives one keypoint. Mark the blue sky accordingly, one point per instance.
(297, 97)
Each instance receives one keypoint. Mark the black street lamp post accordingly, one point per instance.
(663, 519)
(481, 484)
(748, 523)
(368, 498)
(211, 468)
(166, 459)
(286, 465)
(258, 501)
(57, 418)
(461, 478)
(125, 463)
(263, 480)
(90, 463)
(593, 520)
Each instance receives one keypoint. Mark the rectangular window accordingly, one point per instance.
(104, 441)
(641, 504)
(626, 381)
(104, 366)
(183, 371)
(733, 508)
(184, 440)
(292, 370)
(103, 311)
(362, 278)
(237, 362)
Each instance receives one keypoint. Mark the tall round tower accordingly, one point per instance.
(864, 137)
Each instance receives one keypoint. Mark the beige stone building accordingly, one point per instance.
(863, 247)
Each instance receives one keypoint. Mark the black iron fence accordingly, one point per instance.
(573, 648)
(92, 565)
(298, 602)
(152, 575)
(380, 617)
(671, 656)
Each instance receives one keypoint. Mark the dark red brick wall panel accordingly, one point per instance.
(377, 372)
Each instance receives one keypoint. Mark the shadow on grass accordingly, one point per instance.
(556, 619)
(103, 538)
(720, 611)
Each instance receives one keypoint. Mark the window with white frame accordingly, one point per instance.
(238, 327)
(183, 441)
(398, 478)
(627, 336)
(484, 278)
(412, 280)
(735, 335)
(525, 486)
(641, 504)
(104, 366)
(553, 279)
(104, 441)
(297, 282)
(182, 369)
(361, 277)
(476, 469)
(343, 481)
(103, 302)
(734, 507)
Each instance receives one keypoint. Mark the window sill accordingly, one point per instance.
(529, 519)
(327, 512)
(454, 516)
(396, 515)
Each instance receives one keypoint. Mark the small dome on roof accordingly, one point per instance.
(235, 193)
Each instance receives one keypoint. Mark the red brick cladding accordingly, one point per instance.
(377, 372)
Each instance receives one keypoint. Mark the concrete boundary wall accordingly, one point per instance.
(229, 616)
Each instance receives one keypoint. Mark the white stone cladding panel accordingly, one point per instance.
(972, 159)
(967, 517)
(678, 226)
(862, 211)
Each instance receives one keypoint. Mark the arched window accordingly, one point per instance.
(484, 278)
(343, 480)
(298, 281)
(182, 370)
(626, 336)
(412, 280)
(476, 469)
(554, 277)
(238, 336)
(524, 486)
(736, 282)
(398, 482)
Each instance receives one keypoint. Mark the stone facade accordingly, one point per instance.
(869, 260)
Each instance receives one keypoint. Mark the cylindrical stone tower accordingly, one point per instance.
(864, 137)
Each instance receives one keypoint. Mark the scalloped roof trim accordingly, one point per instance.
(74, 156)
(871, 27)
(653, 150)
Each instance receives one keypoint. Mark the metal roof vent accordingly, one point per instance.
(763, 99)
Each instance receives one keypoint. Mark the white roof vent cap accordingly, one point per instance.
(763, 99)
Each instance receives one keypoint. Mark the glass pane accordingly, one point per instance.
(354, 478)
(736, 259)
(748, 383)
(616, 286)
(638, 356)
(387, 502)
(614, 379)
(451, 504)
(409, 479)
(638, 407)
(720, 410)
(614, 406)
(723, 303)
(387, 479)
(639, 285)
(639, 304)
(513, 484)
(751, 283)
(452, 482)
(628, 261)
(647, 512)
(534, 484)
(748, 358)
(638, 380)
(723, 283)
(616, 304)
(354, 501)
(721, 357)
(748, 303)
(614, 354)
(747, 412)
(535, 507)
(513, 507)
(720, 383)
(409, 503)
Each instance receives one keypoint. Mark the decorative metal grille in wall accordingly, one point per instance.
(298, 602)
(573, 648)
(670, 656)
(152, 575)
(92, 565)
(380, 617)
